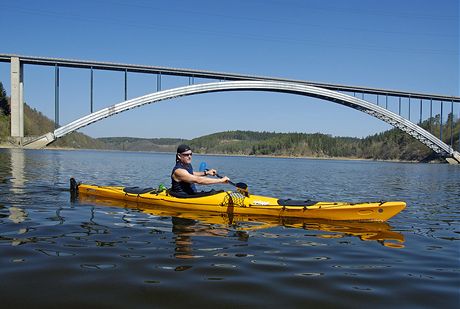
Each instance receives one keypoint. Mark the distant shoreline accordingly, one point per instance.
(6, 145)
(10, 146)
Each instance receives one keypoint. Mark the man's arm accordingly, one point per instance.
(181, 174)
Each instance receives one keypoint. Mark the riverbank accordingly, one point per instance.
(7, 145)
(11, 146)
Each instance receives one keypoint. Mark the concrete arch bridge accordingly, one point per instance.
(374, 110)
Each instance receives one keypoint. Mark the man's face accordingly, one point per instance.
(186, 157)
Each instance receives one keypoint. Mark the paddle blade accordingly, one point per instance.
(241, 185)
(203, 167)
(242, 188)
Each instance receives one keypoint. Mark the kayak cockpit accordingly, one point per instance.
(197, 194)
(137, 190)
(289, 202)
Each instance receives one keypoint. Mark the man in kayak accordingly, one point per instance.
(183, 178)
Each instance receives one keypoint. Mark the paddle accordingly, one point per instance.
(240, 186)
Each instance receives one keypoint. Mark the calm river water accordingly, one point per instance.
(61, 253)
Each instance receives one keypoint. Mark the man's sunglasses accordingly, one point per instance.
(186, 154)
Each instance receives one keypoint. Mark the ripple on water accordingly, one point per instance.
(98, 266)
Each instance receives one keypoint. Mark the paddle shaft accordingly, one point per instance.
(240, 185)
(230, 182)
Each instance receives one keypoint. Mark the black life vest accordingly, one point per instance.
(182, 186)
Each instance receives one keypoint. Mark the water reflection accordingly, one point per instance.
(17, 170)
(17, 215)
(187, 224)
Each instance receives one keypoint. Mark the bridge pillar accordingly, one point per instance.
(17, 100)
(455, 158)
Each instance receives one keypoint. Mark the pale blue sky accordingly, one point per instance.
(410, 45)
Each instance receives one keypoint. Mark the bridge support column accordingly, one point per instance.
(17, 100)
(455, 158)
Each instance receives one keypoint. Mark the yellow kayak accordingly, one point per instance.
(199, 222)
(242, 203)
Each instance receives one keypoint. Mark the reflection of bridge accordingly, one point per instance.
(232, 82)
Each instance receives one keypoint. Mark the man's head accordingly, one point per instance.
(184, 154)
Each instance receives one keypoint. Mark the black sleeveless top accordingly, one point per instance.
(182, 186)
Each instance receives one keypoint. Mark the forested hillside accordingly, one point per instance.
(276, 144)
(36, 124)
(397, 145)
(4, 114)
(390, 145)
(142, 144)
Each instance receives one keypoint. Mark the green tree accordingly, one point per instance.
(4, 106)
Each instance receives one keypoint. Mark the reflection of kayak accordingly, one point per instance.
(238, 203)
(366, 231)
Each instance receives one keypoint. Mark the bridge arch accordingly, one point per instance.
(272, 86)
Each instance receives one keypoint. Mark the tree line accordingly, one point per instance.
(389, 145)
